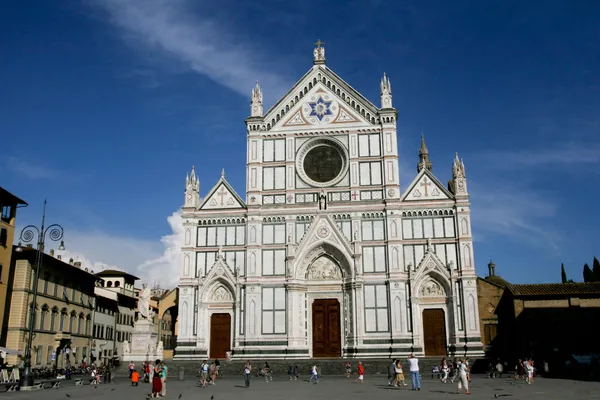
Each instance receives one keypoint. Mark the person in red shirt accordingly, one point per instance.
(361, 372)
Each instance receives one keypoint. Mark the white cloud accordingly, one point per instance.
(29, 170)
(514, 211)
(154, 262)
(572, 153)
(174, 30)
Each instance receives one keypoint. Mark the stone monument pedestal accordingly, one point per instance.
(145, 345)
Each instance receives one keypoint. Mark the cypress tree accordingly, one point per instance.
(588, 275)
(563, 274)
(596, 270)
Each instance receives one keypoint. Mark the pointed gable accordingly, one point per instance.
(321, 98)
(425, 186)
(222, 196)
(324, 228)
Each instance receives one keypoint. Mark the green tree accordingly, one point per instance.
(588, 275)
(596, 270)
(563, 274)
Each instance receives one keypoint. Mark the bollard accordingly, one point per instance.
(181, 373)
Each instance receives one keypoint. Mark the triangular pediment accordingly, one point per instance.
(222, 196)
(323, 228)
(220, 270)
(426, 187)
(313, 103)
(430, 266)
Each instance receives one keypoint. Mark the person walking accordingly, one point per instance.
(163, 378)
(463, 381)
(392, 372)
(314, 374)
(361, 373)
(413, 364)
(131, 368)
(445, 370)
(348, 369)
(247, 371)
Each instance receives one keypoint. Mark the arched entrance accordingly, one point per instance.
(220, 335)
(323, 276)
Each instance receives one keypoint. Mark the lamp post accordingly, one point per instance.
(55, 233)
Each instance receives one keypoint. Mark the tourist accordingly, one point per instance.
(156, 380)
(392, 372)
(398, 374)
(463, 370)
(131, 368)
(204, 374)
(296, 373)
(413, 363)
(163, 378)
(290, 372)
(445, 370)
(361, 373)
(267, 372)
(247, 371)
(212, 372)
(468, 369)
(217, 368)
(314, 374)
(135, 378)
(348, 369)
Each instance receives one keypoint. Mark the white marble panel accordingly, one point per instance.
(268, 150)
(268, 178)
(367, 230)
(221, 230)
(230, 241)
(419, 251)
(407, 231)
(370, 296)
(267, 262)
(365, 174)
(440, 251)
(280, 150)
(451, 255)
(253, 150)
(390, 171)
(279, 233)
(253, 183)
(374, 145)
(280, 178)
(438, 227)
(240, 235)
(388, 142)
(376, 173)
(378, 230)
(409, 256)
(379, 253)
(363, 145)
(201, 236)
(367, 259)
(279, 262)
(449, 227)
(268, 234)
(211, 236)
(427, 227)
(417, 228)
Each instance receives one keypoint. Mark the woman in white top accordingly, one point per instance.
(463, 369)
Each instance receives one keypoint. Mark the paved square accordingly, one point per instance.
(330, 388)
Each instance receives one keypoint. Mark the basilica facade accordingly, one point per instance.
(324, 256)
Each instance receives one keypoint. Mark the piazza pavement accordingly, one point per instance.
(329, 388)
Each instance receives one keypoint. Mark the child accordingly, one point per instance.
(135, 377)
(361, 373)
(348, 369)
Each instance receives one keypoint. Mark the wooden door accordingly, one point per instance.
(434, 332)
(327, 339)
(220, 335)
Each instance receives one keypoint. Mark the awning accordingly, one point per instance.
(9, 351)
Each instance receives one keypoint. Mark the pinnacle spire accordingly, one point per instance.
(386, 92)
(319, 53)
(223, 173)
(458, 168)
(423, 156)
(256, 103)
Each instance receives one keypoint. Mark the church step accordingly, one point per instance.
(331, 367)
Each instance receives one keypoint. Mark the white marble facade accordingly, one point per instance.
(324, 218)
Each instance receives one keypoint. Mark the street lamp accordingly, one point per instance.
(55, 233)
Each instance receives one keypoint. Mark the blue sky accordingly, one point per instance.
(107, 104)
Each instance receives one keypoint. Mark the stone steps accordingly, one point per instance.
(331, 367)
